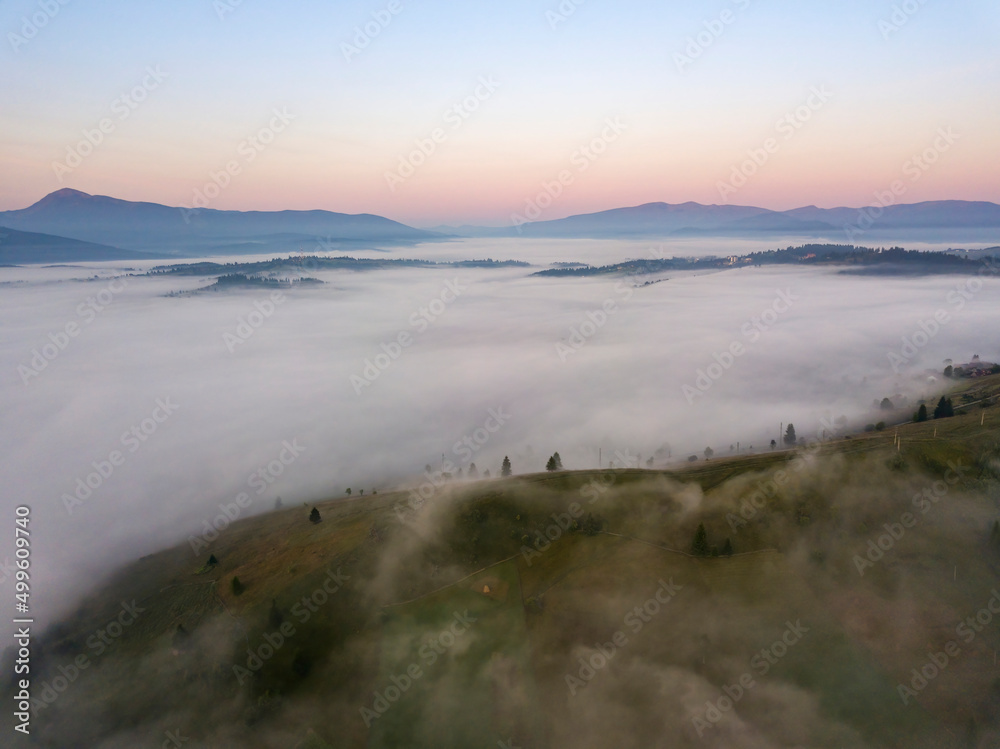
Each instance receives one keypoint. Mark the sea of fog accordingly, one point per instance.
(168, 406)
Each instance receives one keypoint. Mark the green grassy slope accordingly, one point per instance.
(336, 613)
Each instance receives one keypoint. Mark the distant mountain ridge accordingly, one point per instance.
(114, 225)
(20, 247)
(151, 226)
(696, 219)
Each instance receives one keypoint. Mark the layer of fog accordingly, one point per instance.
(494, 347)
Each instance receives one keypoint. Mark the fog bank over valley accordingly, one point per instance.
(171, 405)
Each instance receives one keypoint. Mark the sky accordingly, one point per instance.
(449, 113)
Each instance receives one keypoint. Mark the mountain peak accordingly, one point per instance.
(67, 192)
(61, 197)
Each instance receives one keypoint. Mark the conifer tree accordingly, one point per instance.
(699, 547)
(790, 438)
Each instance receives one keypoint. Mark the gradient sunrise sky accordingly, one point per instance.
(892, 76)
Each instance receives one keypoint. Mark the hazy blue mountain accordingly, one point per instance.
(143, 226)
(695, 219)
(644, 220)
(22, 247)
(151, 226)
(930, 214)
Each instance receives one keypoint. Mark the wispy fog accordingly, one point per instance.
(520, 366)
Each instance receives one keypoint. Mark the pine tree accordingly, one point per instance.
(314, 516)
(790, 438)
(921, 413)
(944, 409)
(699, 547)
(551, 465)
(505, 468)
(237, 587)
(558, 460)
(727, 548)
(212, 560)
(473, 471)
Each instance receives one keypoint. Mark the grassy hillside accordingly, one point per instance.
(564, 609)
